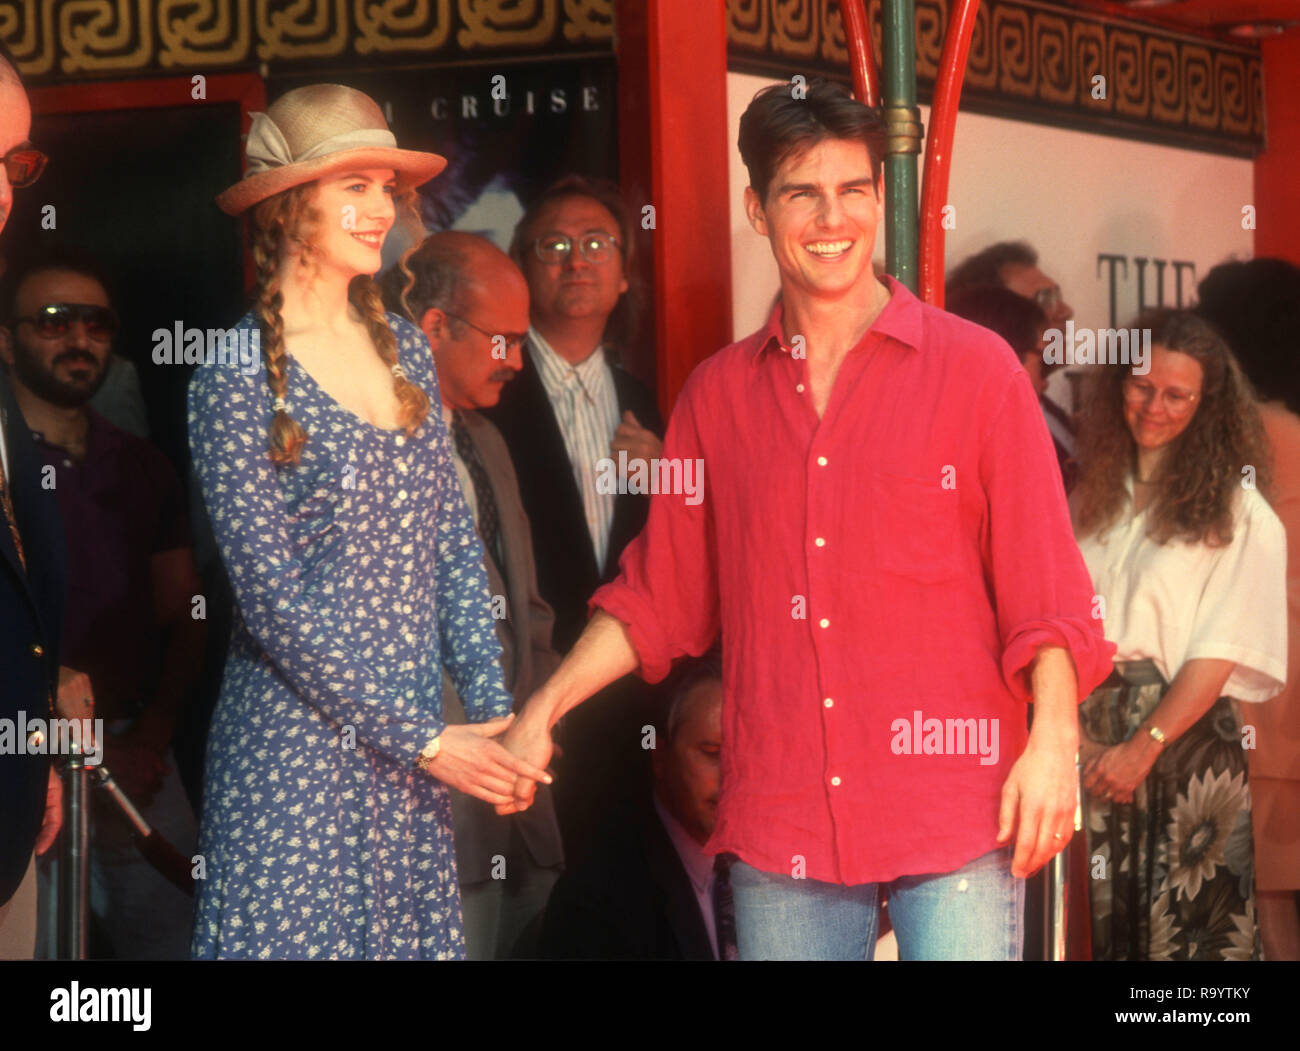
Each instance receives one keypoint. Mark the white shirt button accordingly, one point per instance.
(821, 461)
(799, 388)
(820, 541)
(835, 781)
(824, 622)
(829, 702)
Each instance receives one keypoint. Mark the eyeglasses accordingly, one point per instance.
(512, 342)
(54, 319)
(1048, 298)
(24, 164)
(595, 246)
(1176, 402)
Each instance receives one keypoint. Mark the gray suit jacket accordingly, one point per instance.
(527, 660)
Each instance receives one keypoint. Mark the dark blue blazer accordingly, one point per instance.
(31, 614)
(567, 573)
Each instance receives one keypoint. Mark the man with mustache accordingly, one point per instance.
(471, 302)
(572, 406)
(132, 624)
(32, 583)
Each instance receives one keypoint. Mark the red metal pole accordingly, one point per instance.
(866, 84)
(938, 146)
(672, 121)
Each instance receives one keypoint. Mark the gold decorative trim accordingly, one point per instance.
(76, 40)
(1036, 59)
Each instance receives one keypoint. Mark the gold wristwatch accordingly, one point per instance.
(1157, 734)
(428, 753)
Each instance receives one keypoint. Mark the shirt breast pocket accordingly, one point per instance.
(915, 528)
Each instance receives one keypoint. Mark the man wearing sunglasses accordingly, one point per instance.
(571, 406)
(32, 575)
(131, 583)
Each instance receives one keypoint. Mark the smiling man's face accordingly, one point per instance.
(820, 216)
(575, 288)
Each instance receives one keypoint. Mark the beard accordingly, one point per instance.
(42, 381)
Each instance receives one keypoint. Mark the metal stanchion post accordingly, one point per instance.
(1054, 900)
(74, 859)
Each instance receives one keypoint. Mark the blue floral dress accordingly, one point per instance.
(357, 576)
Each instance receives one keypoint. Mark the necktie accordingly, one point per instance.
(489, 519)
(11, 518)
(724, 908)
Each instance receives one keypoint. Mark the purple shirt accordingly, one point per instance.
(120, 506)
(697, 865)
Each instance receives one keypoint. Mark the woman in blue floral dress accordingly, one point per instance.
(357, 574)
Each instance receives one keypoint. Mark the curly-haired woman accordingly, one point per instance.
(356, 570)
(1188, 563)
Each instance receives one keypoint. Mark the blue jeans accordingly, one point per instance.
(974, 913)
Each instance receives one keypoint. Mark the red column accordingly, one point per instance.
(673, 153)
(1277, 169)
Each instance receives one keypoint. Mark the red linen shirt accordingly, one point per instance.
(908, 552)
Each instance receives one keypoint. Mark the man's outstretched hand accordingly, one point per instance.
(530, 740)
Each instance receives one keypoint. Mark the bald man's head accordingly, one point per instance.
(471, 302)
(15, 127)
(8, 67)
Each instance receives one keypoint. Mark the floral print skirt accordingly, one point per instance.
(1173, 872)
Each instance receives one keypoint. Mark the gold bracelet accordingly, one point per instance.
(1157, 734)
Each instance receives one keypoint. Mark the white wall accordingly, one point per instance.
(1070, 194)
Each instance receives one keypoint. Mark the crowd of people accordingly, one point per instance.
(474, 704)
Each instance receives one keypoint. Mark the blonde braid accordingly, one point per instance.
(286, 436)
(364, 295)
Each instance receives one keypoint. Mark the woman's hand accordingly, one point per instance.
(1088, 749)
(1115, 773)
(469, 760)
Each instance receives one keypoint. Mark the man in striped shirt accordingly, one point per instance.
(571, 410)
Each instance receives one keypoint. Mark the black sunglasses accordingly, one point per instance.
(24, 164)
(54, 320)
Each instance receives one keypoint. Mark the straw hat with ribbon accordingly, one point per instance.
(319, 130)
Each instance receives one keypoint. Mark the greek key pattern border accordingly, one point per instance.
(1036, 60)
(76, 40)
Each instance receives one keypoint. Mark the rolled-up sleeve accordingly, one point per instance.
(1040, 585)
(666, 592)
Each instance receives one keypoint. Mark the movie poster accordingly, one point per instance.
(507, 131)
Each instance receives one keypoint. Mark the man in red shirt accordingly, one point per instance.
(886, 554)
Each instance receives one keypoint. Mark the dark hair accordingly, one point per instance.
(61, 258)
(687, 675)
(601, 190)
(435, 273)
(1018, 320)
(1255, 306)
(1199, 478)
(985, 267)
(784, 120)
(623, 326)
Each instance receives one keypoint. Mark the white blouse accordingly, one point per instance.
(1175, 602)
